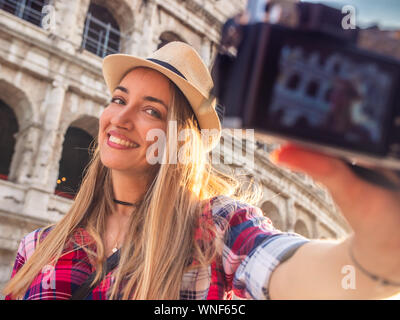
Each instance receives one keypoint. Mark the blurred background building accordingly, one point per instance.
(52, 94)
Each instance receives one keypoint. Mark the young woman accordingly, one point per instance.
(183, 230)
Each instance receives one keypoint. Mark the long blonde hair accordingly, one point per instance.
(160, 244)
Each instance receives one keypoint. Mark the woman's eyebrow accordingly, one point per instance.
(123, 89)
(153, 99)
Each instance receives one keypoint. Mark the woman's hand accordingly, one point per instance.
(372, 212)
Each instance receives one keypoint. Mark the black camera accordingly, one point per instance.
(310, 83)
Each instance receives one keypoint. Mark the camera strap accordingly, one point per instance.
(82, 292)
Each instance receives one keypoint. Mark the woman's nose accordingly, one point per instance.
(124, 118)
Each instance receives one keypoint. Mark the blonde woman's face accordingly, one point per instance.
(139, 104)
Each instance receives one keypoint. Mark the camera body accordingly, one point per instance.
(311, 84)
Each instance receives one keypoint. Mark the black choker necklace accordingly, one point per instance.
(126, 203)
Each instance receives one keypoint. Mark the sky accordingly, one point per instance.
(385, 13)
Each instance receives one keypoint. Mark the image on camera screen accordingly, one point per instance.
(330, 95)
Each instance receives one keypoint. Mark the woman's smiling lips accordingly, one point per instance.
(118, 141)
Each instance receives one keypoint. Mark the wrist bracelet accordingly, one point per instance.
(374, 277)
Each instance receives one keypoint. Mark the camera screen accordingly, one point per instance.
(331, 94)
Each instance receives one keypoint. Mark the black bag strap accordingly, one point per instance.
(85, 289)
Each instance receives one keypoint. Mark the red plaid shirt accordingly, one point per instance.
(252, 249)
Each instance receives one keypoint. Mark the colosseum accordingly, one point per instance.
(52, 94)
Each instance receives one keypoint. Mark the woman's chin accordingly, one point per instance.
(116, 163)
(116, 167)
(122, 166)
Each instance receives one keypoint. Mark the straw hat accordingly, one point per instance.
(182, 65)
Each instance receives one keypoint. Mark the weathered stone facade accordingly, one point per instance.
(51, 83)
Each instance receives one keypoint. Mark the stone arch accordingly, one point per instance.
(75, 155)
(87, 123)
(119, 15)
(8, 129)
(121, 10)
(168, 36)
(24, 141)
(18, 101)
(300, 227)
(272, 212)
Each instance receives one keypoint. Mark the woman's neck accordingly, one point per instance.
(128, 188)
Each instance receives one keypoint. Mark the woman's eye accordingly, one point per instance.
(154, 113)
(117, 100)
